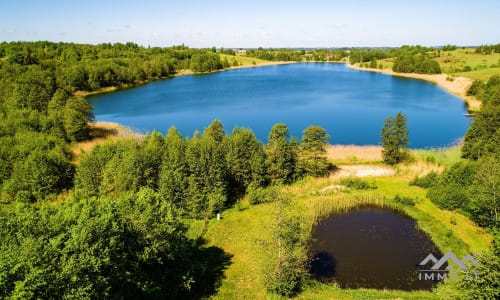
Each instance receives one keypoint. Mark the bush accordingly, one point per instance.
(358, 184)
(425, 181)
(404, 200)
(450, 190)
(475, 87)
(261, 195)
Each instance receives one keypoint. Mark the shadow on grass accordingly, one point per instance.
(212, 262)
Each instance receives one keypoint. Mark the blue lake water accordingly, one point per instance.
(350, 104)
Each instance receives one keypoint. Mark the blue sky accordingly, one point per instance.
(254, 23)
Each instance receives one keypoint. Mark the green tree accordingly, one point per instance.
(245, 160)
(285, 272)
(281, 155)
(39, 175)
(485, 190)
(76, 115)
(208, 174)
(487, 283)
(395, 139)
(133, 247)
(312, 155)
(450, 190)
(174, 171)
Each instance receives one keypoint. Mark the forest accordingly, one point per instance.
(114, 225)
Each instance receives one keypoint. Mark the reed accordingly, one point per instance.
(319, 208)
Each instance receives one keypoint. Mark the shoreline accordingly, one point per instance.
(457, 87)
(185, 72)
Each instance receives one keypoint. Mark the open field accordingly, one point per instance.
(243, 60)
(455, 61)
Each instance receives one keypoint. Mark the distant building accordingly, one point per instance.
(240, 51)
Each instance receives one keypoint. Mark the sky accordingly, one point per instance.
(254, 23)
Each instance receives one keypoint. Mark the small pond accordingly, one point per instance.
(370, 247)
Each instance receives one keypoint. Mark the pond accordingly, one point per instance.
(370, 247)
(350, 104)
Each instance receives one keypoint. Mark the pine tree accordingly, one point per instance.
(174, 171)
(395, 139)
(313, 151)
(281, 157)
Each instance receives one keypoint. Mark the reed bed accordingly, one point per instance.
(323, 206)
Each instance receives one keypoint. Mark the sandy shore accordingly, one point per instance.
(457, 87)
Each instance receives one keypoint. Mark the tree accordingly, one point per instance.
(245, 160)
(483, 136)
(487, 283)
(285, 272)
(485, 190)
(312, 154)
(39, 175)
(76, 115)
(133, 247)
(395, 139)
(208, 174)
(174, 170)
(281, 156)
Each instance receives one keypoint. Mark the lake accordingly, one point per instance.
(370, 247)
(350, 104)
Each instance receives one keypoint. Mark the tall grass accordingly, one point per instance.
(319, 208)
(443, 156)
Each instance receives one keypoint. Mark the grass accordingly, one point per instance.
(482, 66)
(442, 156)
(243, 60)
(480, 74)
(455, 61)
(241, 233)
(244, 229)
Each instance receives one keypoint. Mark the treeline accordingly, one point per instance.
(415, 59)
(483, 137)
(298, 55)
(203, 174)
(90, 67)
(40, 115)
(360, 55)
(275, 54)
(407, 59)
(488, 49)
(473, 185)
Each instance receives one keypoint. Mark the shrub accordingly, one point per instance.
(358, 184)
(425, 181)
(261, 195)
(475, 87)
(404, 200)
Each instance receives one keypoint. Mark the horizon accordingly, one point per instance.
(229, 24)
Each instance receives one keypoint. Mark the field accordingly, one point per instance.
(243, 60)
(461, 62)
(244, 229)
(482, 66)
